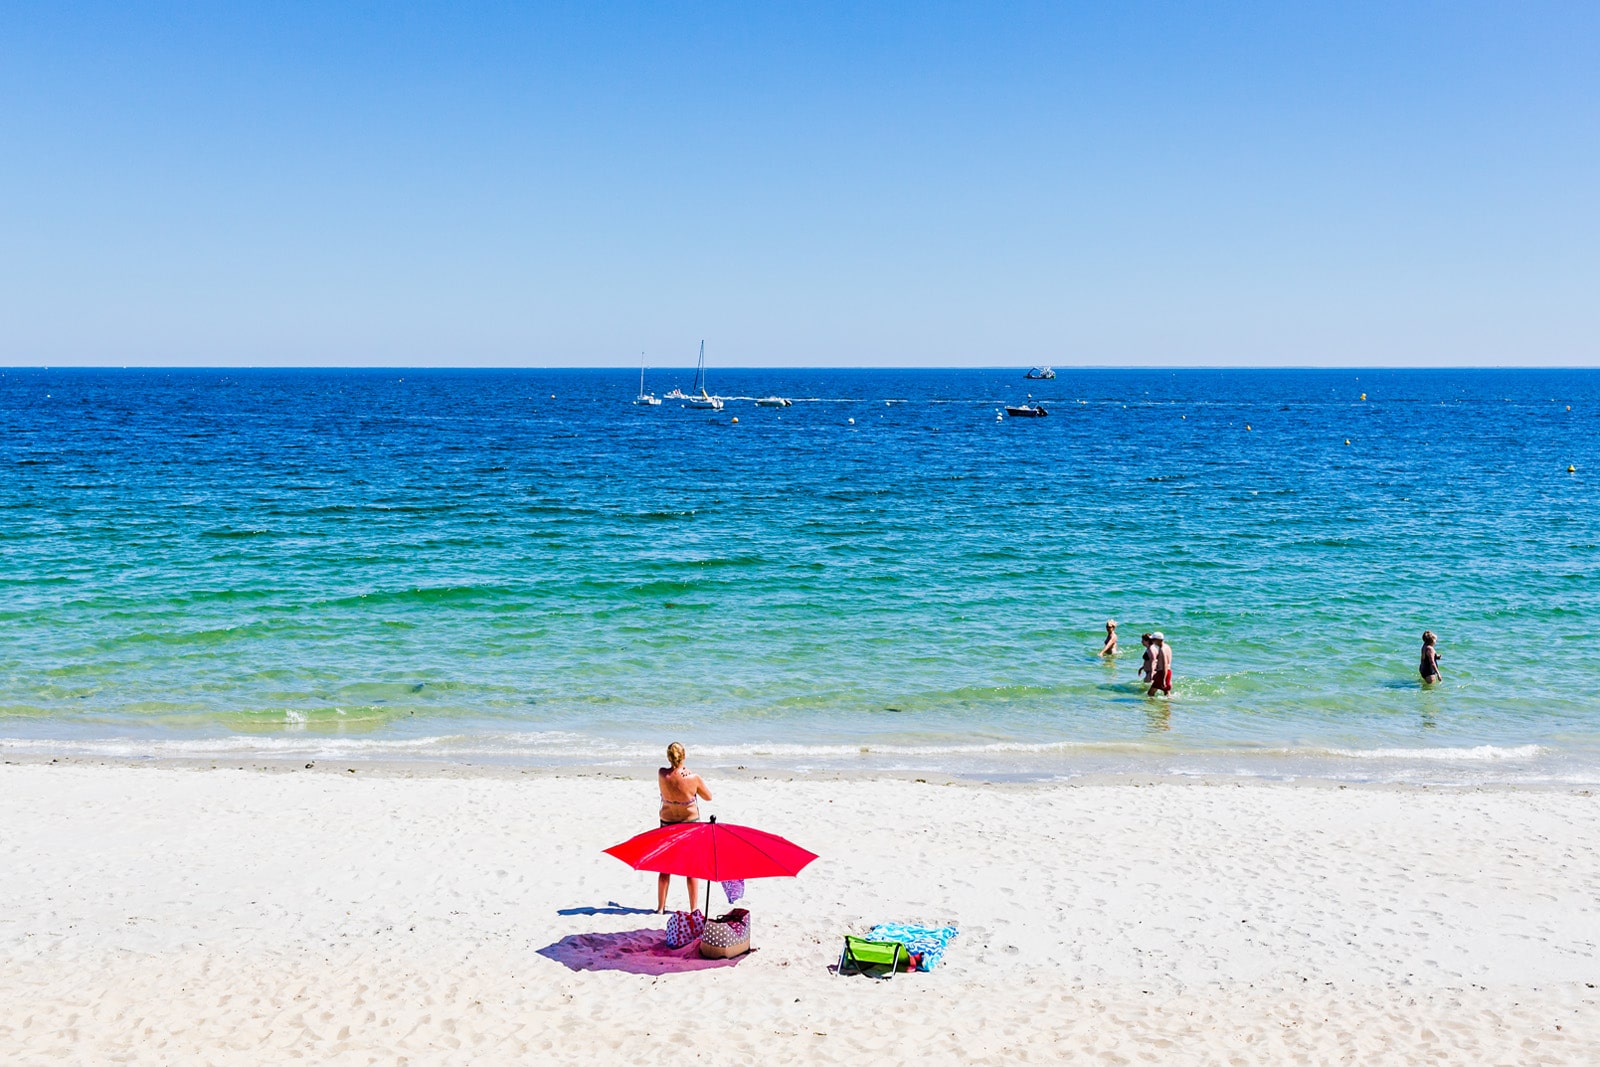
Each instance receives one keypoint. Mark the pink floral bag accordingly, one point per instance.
(683, 927)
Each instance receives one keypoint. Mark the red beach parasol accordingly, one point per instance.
(717, 852)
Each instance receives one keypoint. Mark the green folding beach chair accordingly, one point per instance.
(875, 959)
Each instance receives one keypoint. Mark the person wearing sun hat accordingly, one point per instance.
(1160, 666)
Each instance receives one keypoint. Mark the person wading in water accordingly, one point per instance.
(1429, 667)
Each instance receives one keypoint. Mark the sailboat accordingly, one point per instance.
(700, 398)
(649, 399)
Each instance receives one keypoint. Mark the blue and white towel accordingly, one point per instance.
(927, 943)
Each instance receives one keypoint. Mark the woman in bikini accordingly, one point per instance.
(681, 791)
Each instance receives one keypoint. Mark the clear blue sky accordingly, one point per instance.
(800, 184)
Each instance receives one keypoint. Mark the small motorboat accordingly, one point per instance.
(774, 402)
(1040, 374)
(1027, 411)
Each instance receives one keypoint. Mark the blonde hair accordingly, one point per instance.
(675, 755)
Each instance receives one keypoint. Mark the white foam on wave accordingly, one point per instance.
(843, 751)
(544, 745)
(1482, 763)
(566, 744)
(302, 745)
(1480, 753)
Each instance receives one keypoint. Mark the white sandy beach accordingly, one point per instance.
(228, 916)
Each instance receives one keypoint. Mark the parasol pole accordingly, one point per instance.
(713, 865)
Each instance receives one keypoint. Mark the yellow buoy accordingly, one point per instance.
(1247, 425)
(736, 418)
(1571, 469)
(1347, 440)
(1363, 396)
(1569, 407)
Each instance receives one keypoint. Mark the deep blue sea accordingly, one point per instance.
(525, 567)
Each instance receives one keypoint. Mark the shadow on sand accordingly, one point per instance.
(611, 908)
(633, 951)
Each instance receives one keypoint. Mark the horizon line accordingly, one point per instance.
(4, 367)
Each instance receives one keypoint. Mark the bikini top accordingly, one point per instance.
(679, 803)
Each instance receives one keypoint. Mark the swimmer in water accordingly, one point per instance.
(1110, 647)
(1429, 667)
(1160, 666)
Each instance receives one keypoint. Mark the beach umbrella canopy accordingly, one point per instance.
(715, 851)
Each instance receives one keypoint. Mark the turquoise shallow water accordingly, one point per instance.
(525, 567)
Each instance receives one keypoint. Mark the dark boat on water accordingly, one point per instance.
(1027, 411)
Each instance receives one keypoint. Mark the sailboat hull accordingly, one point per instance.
(645, 399)
(702, 399)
